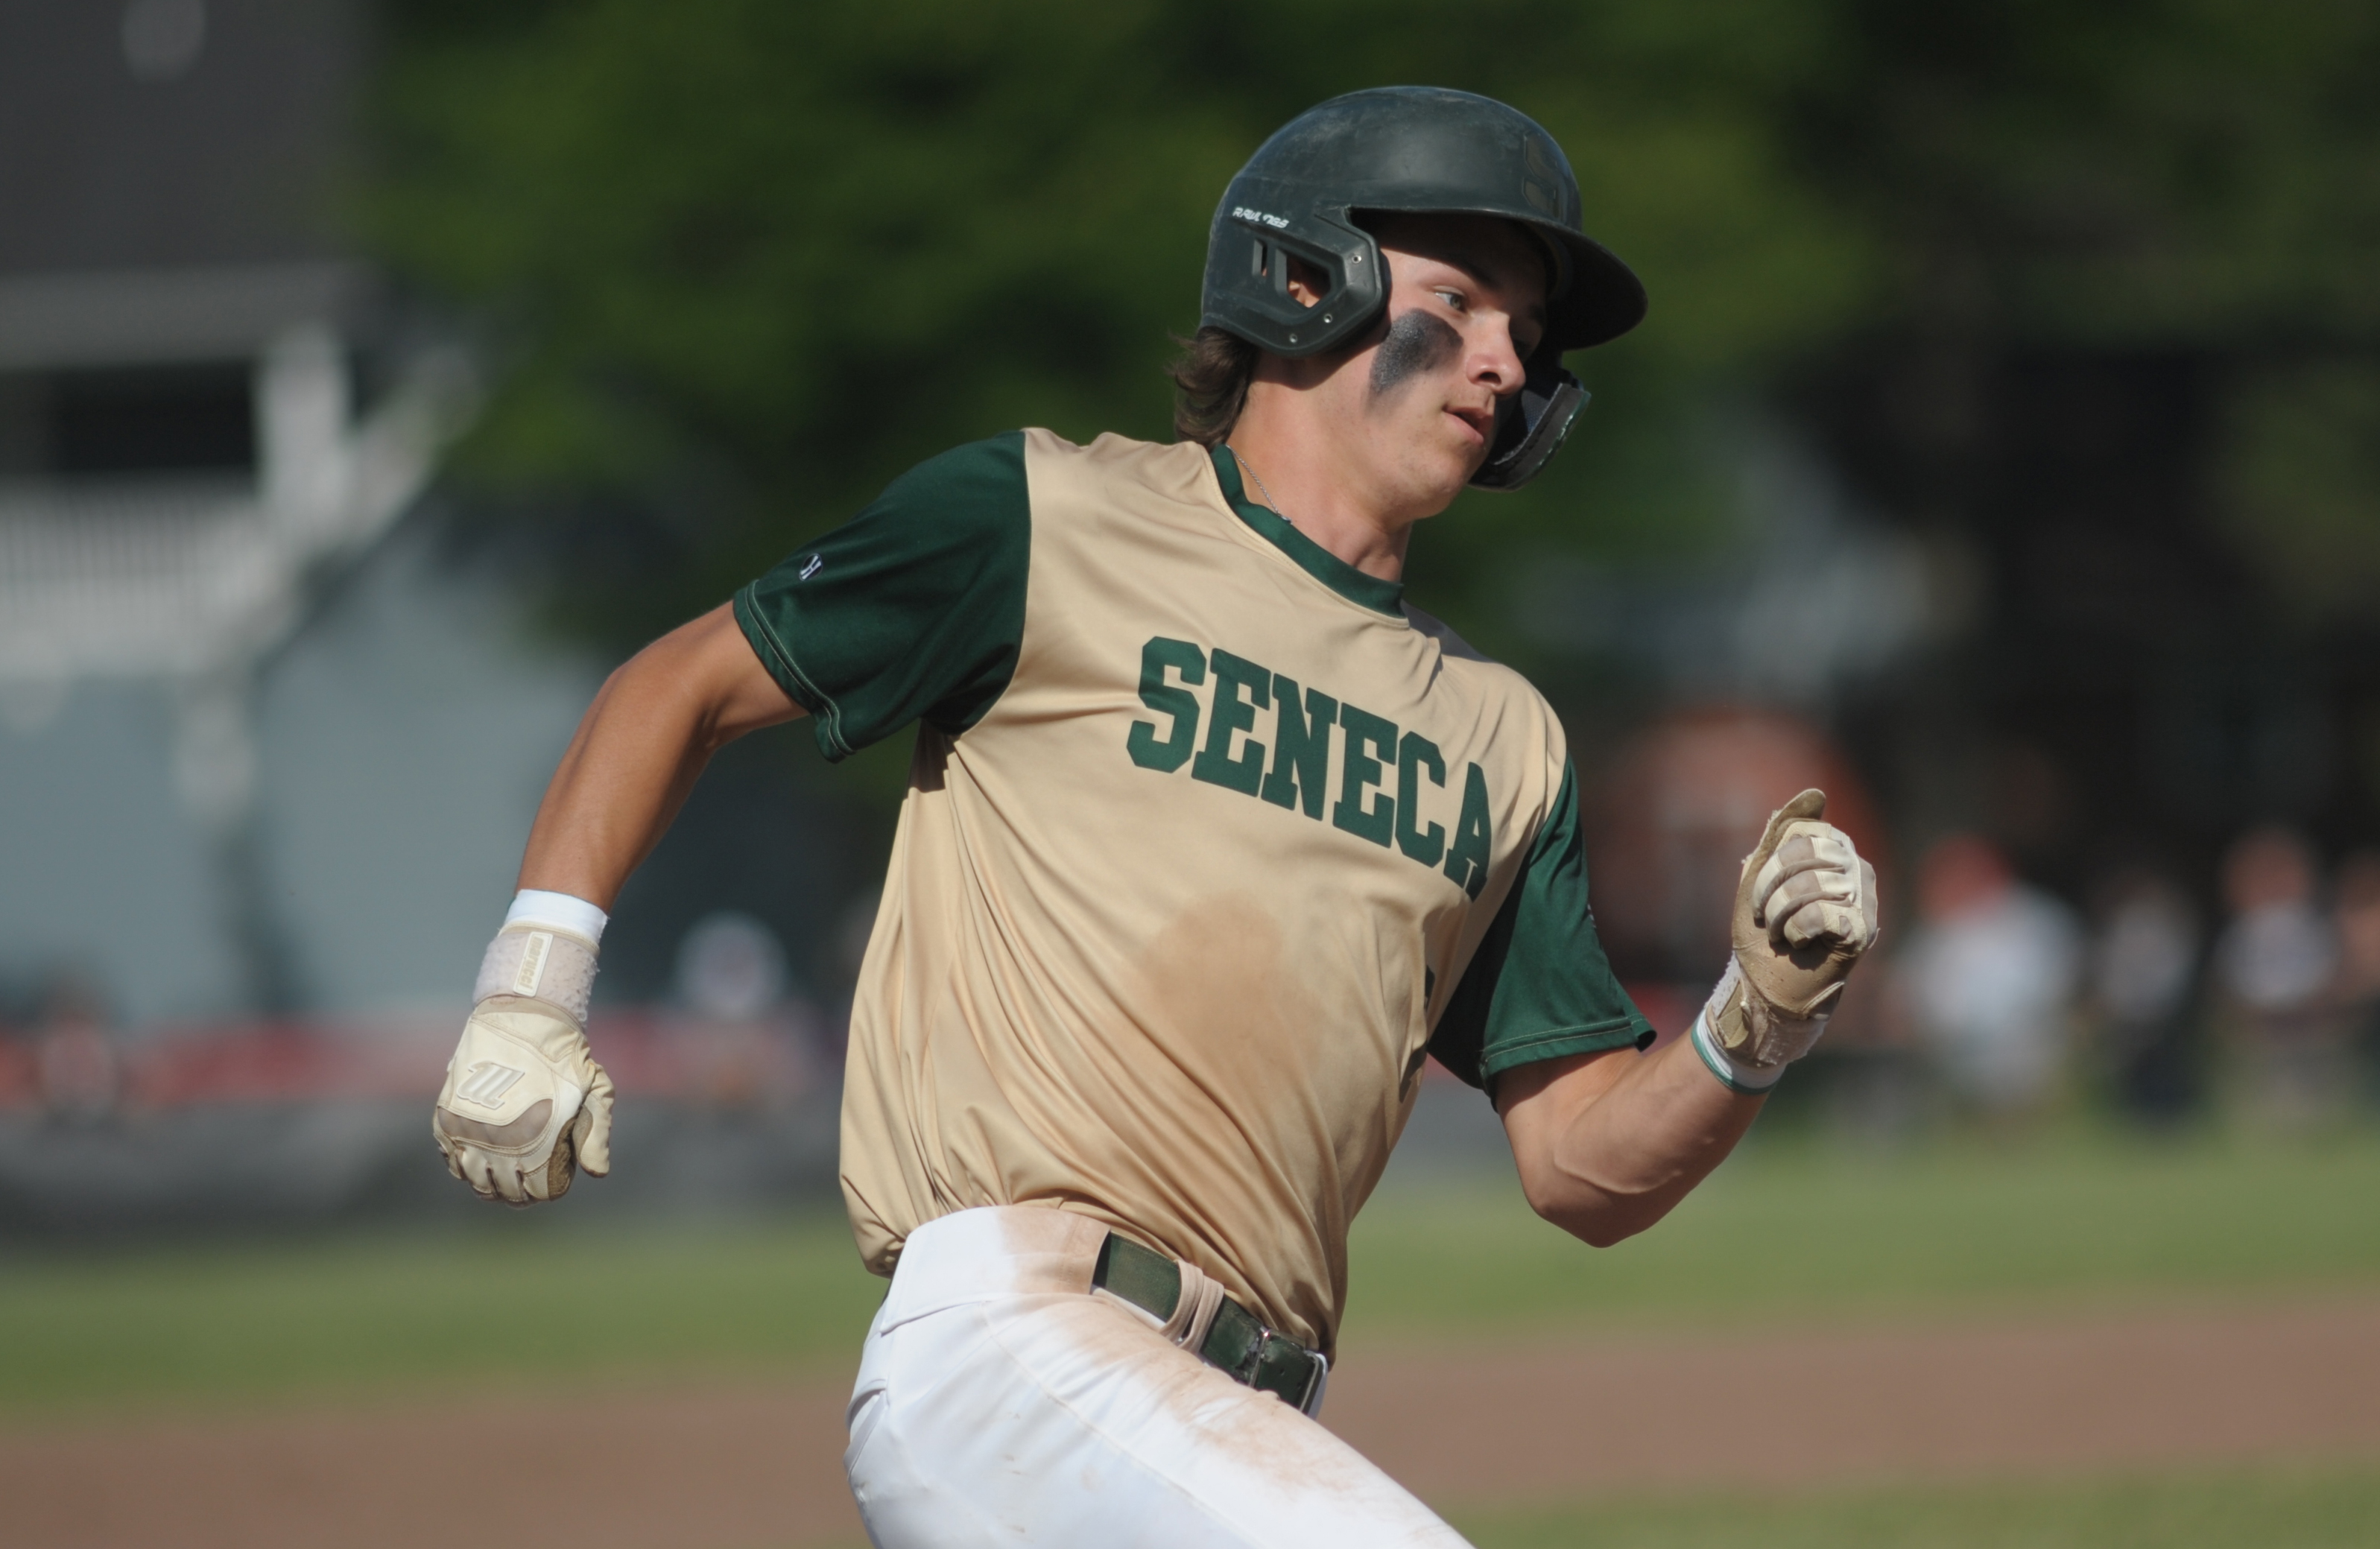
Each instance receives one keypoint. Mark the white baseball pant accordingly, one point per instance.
(1001, 1402)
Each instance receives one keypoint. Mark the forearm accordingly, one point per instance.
(638, 751)
(1607, 1144)
(1604, 1159)
(525, 1104)
(631, 765)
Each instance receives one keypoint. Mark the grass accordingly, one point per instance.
(1793, 1231)
(1954, 1228)
(2268, 1511)
(520, 1304)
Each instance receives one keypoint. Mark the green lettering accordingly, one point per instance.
(1415, 754)
(1378, 821)
(1475, 835)
(1231, 713)
(1165, 699)
(1301, 747)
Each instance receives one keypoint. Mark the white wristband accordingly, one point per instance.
(532, 906)
(1733, 1074)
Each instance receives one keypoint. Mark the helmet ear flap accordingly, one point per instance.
(1255, 302)
(1532, 425)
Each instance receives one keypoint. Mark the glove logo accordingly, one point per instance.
(486, 1084)
(531, 971)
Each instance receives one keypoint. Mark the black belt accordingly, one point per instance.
(1237, 1342)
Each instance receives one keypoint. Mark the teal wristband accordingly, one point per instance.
(1735, 1077)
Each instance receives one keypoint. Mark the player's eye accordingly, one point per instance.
(1454, 300)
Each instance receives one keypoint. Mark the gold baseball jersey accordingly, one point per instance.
(1210, 840)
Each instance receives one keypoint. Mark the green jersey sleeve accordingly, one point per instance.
(911, 611)
(1539, 986)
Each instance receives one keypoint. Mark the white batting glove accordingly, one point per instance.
(1805, 911)
(1813, 887)
(524, 1100)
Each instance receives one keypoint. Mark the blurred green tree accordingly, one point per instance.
(739, 263)
(2195, 182)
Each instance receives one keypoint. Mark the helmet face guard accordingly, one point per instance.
(1531, 424)
(1420, 150)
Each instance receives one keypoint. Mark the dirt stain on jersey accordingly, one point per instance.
(1266, 1072)
(1241, 1020)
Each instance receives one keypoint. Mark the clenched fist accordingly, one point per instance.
(524, 1100)
(1805, 911)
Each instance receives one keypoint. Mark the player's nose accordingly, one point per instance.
(1496, 362)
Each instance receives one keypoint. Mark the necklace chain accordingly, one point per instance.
(1260, 483)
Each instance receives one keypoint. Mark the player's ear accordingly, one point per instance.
(1307, 283)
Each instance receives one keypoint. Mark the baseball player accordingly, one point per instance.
(1210, 840)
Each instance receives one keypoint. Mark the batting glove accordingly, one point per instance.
(524, 1100)
(1805, 911)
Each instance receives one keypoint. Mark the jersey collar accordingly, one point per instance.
(1370, 591)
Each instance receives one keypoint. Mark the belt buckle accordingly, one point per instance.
(1311, 1405)
(1317, 1371)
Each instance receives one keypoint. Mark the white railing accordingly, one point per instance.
(191, 582)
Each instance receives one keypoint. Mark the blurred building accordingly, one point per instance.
(260, 749)
(270, 741)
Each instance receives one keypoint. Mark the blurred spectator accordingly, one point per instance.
(2276, 963)
(20, 1064)
(2143, 967)
(2355, 917)
(855, 926)
(748, 1044)
(1989, 975)
(80, 1076)
(729, 967)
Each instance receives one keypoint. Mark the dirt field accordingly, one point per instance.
(743, 1467)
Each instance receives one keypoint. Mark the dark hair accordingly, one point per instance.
(1210, 384)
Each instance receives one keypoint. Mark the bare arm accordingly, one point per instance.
(640, 749)
(1608, 1143)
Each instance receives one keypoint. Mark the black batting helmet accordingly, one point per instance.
(1421, 149)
